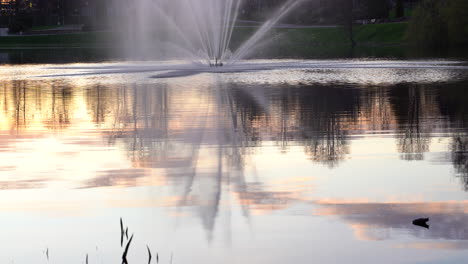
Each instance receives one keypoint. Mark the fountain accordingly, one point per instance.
(198, 34)
(196, 30)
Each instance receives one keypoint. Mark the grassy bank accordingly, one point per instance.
(86, 39)
(286, 42)
(385, 39)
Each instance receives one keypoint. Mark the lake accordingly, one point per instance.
(329, 163)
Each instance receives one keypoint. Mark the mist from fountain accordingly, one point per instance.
(197, 30)
(200, 32)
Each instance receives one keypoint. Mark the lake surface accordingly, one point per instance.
(318, 164)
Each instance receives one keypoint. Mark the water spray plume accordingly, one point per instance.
(198, 30)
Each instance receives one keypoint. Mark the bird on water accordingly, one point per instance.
(422, 222)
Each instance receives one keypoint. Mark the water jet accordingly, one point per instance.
(199, 31)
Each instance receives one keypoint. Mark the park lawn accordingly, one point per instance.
(43, 27)
(383, 39)
(373, 34)
(86, 39)
(390, 33)
(285, 40)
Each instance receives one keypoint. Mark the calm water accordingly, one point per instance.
(319, 165)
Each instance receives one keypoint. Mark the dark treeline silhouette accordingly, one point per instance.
(330, 11)
(20, 15)
(440, 25)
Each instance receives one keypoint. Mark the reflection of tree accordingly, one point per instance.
(137, 116)
(459, 147)
(245, 113)
(413, 108)
(19, 101)
(99, 99)
(58, 116)
(324, 116)
(317, 116)
(26, 101)
(453, 100)
(376, 112)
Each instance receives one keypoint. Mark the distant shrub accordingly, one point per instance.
(21, 23)
(374, 9)
(399, 9)
(439, 24)
(456, 19)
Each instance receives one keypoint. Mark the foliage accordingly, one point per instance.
(20, 23)
(456, 19)
(390, 33)
(375, 9)
(399, 9)
(439, 24)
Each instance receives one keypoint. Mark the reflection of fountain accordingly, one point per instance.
(204, 155)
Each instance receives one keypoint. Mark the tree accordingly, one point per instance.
(455, 14)
(344, 11)
(374, 9)
(399, 9)
(438, 25)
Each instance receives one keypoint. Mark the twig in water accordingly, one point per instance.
(149, 254)
(47, 254)
(124, 255)
(126, 232)
(157, 258)
(86, 258)
(121, 232)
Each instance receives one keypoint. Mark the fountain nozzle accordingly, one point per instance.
(216, 63)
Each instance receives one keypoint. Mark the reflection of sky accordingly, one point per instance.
(367, 219)
(208, 168)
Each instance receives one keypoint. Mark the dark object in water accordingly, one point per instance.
(216, 63)
(124, 255)
(149, 254)
(422, 222)
(122, 232)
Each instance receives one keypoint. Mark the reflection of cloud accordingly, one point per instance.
(454, 245)
(116, 178)
(166, 201)
(376, 221)
(7, 168)
(16, 184)
(266, 201)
